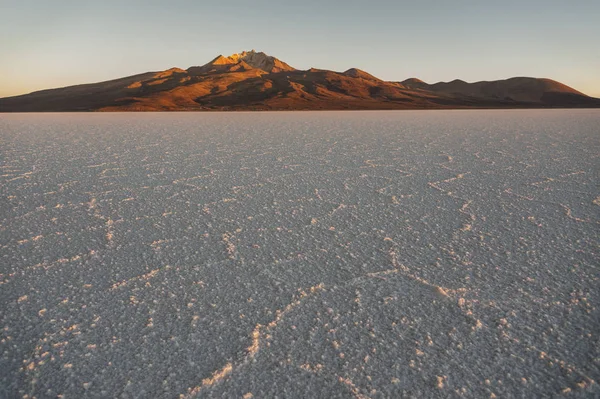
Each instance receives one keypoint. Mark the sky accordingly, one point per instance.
(48, 44)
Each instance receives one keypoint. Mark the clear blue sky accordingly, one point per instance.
(54, 43)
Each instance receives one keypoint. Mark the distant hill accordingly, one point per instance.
(520, 89)
(256, 81)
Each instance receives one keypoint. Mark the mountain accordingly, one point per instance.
(521, 89)
(256, 81)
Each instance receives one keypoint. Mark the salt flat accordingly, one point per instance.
(332, 254)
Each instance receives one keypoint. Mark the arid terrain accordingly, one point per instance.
(256, 81)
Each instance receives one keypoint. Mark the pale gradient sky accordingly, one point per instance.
(55, 43)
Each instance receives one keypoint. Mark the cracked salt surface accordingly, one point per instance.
(337, 254)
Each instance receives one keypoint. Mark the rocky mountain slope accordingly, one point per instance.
(256, 81)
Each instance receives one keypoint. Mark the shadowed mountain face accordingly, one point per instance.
(256, 81)
(527, 90)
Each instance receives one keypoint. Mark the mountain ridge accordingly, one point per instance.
(253, 80)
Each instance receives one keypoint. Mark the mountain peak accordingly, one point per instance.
(358, 73)
(262, 61)
(254, 59)
(222, 60)
(414, 83)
